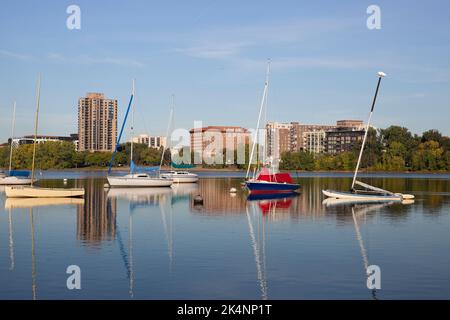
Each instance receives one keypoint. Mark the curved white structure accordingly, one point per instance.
(138, 180)
(181, 176)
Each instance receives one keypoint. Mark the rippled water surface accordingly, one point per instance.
(158, 244)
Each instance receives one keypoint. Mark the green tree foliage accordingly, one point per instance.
(429, 156)
(297, 161)
(391, 149)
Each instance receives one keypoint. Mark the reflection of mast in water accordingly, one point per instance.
(130, 250)
(168, 232)
(11, 241)
(259, 251)
(360, 239)
(137, 198)
(33, 257)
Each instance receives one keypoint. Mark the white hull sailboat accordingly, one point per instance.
(39, 192)
(181, 176)
(13, 180)
(138, 180)
(134, 180)
(368, 193)
(178, 176)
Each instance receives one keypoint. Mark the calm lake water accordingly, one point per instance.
(157, 244)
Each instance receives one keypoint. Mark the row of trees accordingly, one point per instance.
(391, 149)
(62, 155)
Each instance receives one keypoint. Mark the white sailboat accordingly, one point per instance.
(178, 176)
(133, 179)
(32, 191)
(14, 177)
(368, 193)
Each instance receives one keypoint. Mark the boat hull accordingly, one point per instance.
(264, 186)
(37, 192)
(361, 197)
(181, 179)
(127, 182)
(13, 180)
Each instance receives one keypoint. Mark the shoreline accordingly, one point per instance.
(225, 170)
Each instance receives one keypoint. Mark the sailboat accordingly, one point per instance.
(368, 193)
(32, 191)
(14, 177)
(178, 176)
(134, 178)
(268, 179)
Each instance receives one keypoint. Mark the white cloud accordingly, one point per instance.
(15, 55)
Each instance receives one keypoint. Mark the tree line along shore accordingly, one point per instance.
(392, 149)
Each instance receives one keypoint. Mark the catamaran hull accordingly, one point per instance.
(264, 186)
(361, 197)
(36, 192)
(124, 182)
(12, 180)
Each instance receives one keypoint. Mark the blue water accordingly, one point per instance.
(157, 244)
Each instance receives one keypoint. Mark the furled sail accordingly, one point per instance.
(368, 186)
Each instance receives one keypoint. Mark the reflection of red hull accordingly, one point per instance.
(267, 206)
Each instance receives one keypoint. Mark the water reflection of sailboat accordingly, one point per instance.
(360, 209)
(11, 203)
(259, 250)
(183, 191)
(271, 202)
(141, 198)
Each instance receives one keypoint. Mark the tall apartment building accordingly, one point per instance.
(152, 141)
(97, 123)
(295, 137)
(279, 139)
(229, 138)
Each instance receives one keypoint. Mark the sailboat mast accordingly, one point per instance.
(38, 98)
(380, 75)
(12, 137)
(266, 85)
(132, 131)
(167, 133)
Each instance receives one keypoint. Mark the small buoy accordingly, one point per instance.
(198, 199)
(65, 180)
(233, 190)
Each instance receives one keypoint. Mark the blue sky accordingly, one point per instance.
(212, 56)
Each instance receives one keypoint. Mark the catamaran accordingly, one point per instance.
(14, 177)
(178, 176)
(368, 193)
(268, 179)
(32, 191)
(135, 178)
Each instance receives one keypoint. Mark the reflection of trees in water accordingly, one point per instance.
(96, 219)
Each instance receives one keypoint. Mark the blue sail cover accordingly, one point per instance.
(19, 173)
(182, 165)
(135, 168)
